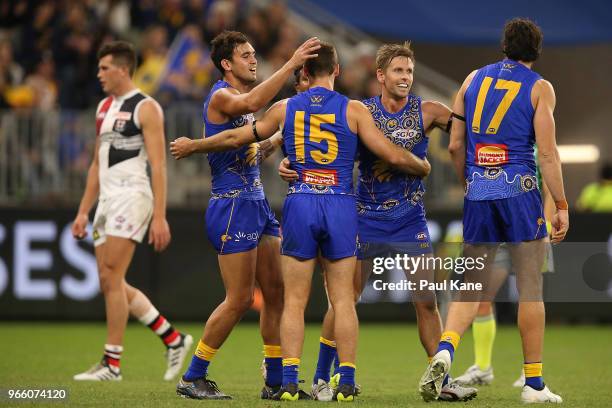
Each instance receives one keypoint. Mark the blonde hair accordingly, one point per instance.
(387, 52)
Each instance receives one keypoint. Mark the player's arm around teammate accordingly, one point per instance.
(229, 102)
(362, 123)
(231, 139)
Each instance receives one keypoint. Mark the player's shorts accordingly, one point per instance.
(125, 216)
(236, 224)
(319, 221)
(403, 234)
(515, 219)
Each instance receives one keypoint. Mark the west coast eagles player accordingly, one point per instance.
(239, 221)
(503, 110)
(390, 205)
(130, 132)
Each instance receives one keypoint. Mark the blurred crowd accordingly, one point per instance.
(48, 48)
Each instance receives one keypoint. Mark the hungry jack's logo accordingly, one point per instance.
(491, 154)
(320, 177)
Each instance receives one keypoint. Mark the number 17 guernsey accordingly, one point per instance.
(500, 135)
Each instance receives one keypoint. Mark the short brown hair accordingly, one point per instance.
(387, 52)
(223, 45)
(324, 63)
(123, 54)
(522, 40)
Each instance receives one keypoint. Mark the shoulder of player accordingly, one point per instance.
(435, 108)
(279, 104)
(468, 79)
(223, 94)
(356, 107)
(543, 86)
(542, 89)
(149, 109)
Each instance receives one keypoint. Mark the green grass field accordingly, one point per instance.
(578, 365)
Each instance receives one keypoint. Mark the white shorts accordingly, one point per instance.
(125, 216)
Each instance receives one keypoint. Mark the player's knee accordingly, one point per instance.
(343, 304)
(426, 307)
(109, 280)
(240, 303)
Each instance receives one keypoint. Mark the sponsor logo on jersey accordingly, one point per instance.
(119, 125)
(241, 236)
(320, 177)
(124, 115)
(225, 238)
(421, 236)
(491, 154)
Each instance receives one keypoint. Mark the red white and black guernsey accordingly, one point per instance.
(122, 155)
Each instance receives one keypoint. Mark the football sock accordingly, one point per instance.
(112, 355)
(484, 328)
(158, 323)
(449, 341)
(327, 353)
(291, 367)
(274, 365)
(200, 361)
(533, 375)
(347, 373)
(336, 362)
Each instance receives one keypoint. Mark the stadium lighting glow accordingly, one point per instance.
(578, 153)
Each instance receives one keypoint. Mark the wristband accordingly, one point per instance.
(561, 205)
(255, 131)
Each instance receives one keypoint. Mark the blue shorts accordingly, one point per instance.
(237, 224)
(319, 221)
(404, 234)
(515, 219)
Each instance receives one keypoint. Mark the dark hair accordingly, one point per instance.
(324, 63)
(387, 52)
(123, 54)
(522, 40)
(223, 45)
(296, 75)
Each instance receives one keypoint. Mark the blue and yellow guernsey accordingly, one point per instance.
(383, 191)
(319, 143)
(236, 172)
(500, 135)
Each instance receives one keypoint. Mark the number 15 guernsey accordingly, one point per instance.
(500, 135)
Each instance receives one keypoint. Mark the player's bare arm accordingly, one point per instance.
(90, 195)
(456, 145)
(267, 147)
(232, 139)
(229, 102)
(544, 100)
(403, 160)
(435, 115)
(152, 122)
